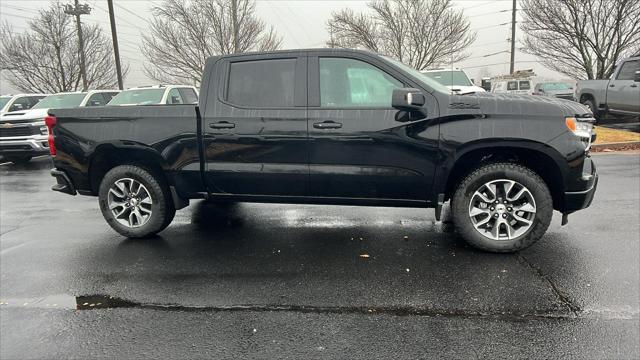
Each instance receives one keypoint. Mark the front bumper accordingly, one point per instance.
(577, 200)
(32, 145)
(64, 184)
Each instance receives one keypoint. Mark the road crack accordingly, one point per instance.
(564, 298)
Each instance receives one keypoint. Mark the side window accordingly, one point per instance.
(108, 97)
(174, 97)
(262, 83)
(96, 100)
(20, 104)
(525, 85)
(512, 85)
(628, 70)
(353, 83)
(189, 95)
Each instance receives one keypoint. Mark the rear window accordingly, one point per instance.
(525, 85)
(512, 85)
(60, 101)
(138, 97)
(262, 83)
(189, 95)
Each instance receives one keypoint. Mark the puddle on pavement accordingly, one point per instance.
(85, 302)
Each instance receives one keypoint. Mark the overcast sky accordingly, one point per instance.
(301, 23)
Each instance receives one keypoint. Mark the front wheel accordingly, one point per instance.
(502, 207)
(135, 202)
(592, 106)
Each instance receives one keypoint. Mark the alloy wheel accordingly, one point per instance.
(502, 209)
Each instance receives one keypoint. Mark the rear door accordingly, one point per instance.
(623, 94)
(356, 147)
(255, 128)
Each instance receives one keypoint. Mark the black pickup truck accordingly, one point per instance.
(340, 127)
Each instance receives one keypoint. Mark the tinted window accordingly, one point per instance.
(525, 85)
(512, 85)
(262, 83)
(25, 103)
(96, 100)
(108, 96)
(189, 95)
(353, 83)
(174, 97)
(628, 70)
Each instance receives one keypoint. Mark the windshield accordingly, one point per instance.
(138, 97)
(418, 75)
(556, 86)
(60, 101)
(4, 101)
(449, 77)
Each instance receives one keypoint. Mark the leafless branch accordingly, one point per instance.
(184, 33)
(45, 58)
(420, 33)
(579, 38)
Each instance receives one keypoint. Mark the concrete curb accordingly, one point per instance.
(616, 145)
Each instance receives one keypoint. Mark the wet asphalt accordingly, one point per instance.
(292, 281)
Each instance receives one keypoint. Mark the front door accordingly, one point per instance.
(255, 134)
(357, 149)
(623, 93)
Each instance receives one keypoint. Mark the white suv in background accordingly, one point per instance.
(19, 102)
(157, 95)
(24, 135)
(455, 79)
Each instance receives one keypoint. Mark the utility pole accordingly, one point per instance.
(513, 38)
(114, 37)
(76, 10)
(236, 31)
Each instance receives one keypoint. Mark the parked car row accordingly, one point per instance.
(23, 133)
(619, 95)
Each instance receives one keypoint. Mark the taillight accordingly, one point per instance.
(51, 121)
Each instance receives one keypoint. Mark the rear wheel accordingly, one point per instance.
(135, 202)
(18, 160)
(502, 207)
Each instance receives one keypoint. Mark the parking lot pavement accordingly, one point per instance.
(258, 280)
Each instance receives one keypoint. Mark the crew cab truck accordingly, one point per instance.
(619, 95)
(332, 126)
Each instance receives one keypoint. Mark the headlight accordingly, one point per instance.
(582, 129)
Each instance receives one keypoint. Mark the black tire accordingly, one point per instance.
(592, 106)
(19, 160)
(496, 171)
(162, 208)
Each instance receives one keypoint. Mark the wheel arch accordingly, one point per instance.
(540, 158)
(109, 155)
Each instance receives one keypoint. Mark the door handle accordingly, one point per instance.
(633, 85)
(327, 125)
(612, 85)
(222, 125)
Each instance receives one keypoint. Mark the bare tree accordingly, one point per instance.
(184, 33)
(579, 38)
(45, 58)
(420, 33)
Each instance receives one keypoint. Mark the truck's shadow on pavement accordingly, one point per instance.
(258, 254)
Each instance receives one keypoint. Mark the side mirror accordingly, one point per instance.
(636, 78)
(407, 99)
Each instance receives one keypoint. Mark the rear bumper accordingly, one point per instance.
(33, 145)
(64, 184)
(577, 200)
